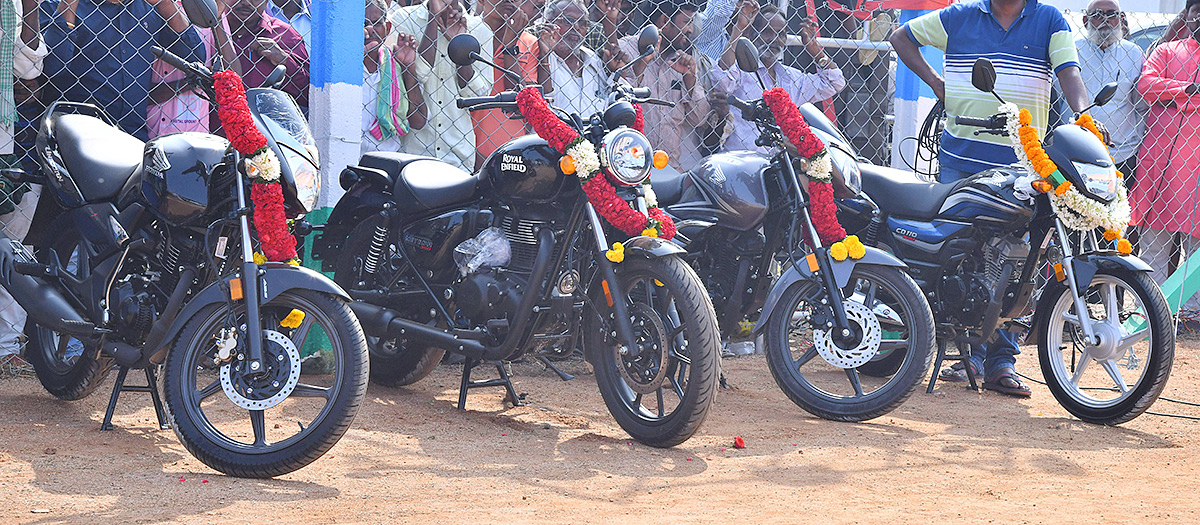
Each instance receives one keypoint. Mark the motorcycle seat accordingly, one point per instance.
(422, 183)
(901, 193)
(100, 157)
(667, 184)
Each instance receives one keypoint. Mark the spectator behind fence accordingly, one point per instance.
(569, 70)
(611, 20)
(21, 54)
(1164, 200)
(674, 72)
(767, 28)
(295, 13)
(1035, 42)
(448, 134)
(393, 105)
(517, 51)
(100, 52)
(711, 38)
(1105, 56)
(263, 42)
(176, 106)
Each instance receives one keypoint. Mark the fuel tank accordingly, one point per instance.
(525, 171)
(177, 176)
(988, 198)
(729, 188)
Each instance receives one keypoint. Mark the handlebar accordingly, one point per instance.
(505, 97)
(995, 122)
(178, 63)
(739, 103)
(641, 92)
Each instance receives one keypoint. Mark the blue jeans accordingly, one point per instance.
(1002, 353)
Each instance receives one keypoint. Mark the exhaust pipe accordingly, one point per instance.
(41, 301)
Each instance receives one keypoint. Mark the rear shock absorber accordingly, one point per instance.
(371, 264)
(872, 234)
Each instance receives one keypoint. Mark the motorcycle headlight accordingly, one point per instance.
(308, 179)
(628, 155)
(1100, 181)
(846, 167)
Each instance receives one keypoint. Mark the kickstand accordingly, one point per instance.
(150, 388)
(563, 375)
(504, 381)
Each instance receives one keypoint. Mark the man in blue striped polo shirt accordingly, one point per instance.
(1027, 42)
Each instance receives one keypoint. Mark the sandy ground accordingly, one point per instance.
(953, 456)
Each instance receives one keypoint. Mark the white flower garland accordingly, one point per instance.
(651, 197)
(266, 164)
(587, 162)
(820, 168)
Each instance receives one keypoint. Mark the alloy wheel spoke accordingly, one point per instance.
(893, 344)
(303, 390)
(658, 394)
(259, 423)
(1128, 341)
(1071, 318)
(852, 374)
(209, 390)
(300, 333)
(1114, 372)
(1112, 309)
(676, 386)
(808, 356)
(1080, 366)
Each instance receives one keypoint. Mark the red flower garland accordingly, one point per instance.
(820, 194)
(270, 220)
(599, 190)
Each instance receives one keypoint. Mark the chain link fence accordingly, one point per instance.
(835, 57)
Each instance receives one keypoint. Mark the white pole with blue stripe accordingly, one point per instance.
(913, 100)
(335, 96)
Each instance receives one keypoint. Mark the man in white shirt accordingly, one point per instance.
(448, 133)
(576, 76)
(1105, 56)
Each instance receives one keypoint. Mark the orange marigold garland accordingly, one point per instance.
(270, 219)
(820, 190)
(1076, 210)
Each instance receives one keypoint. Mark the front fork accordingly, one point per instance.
(824, 261)
(250, 287)
(1081, 310)
(624, 325)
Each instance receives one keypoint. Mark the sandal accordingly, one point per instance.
(957, 373)
(1007, 382)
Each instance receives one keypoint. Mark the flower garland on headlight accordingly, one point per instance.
(262, 167)
(580, 157)
(1077, 211)
(819, 171)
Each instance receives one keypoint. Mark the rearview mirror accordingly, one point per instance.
(983, 75)
(1106, 94)
(202, 13)
(746, 55)
(648, 39)
(463, 49)
(275, 79)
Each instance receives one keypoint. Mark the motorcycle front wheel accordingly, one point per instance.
(888, 316)
(662, 395)
(283, 418)
(1118, 379)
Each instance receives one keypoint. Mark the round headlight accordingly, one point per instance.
(308, 179)
(1100, 181)
(628, 155)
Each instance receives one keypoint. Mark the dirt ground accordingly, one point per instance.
(953, 456)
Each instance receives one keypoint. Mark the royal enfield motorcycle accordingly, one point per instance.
(149, 266)
(828, 325)
(646, 324)
(978, 248)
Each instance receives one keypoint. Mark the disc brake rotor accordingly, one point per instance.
(646, 372)
(281, 372)
(860, 354)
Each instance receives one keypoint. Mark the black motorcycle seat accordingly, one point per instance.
(901, 193)
(422, 183)
(99, 157)
(667, 184)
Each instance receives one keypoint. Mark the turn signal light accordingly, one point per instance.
(567, 164)
(1042, 185)
(660, 159)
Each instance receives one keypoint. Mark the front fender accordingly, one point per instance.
(1085, 265)
(276, 279)
(841, 275)
(651, 247)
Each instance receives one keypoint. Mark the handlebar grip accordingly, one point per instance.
(467, 102)
(171, 58)
(977, 122)
(641, 92)
(507, 106)
(738, 103)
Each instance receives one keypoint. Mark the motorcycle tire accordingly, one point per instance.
(832, 392)
(1102, 394)
(393, 364)
(669, 305)
(67, 371)
(208, 410)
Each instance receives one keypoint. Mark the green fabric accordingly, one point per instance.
(8, 42)
(317, 340)
(10, 192)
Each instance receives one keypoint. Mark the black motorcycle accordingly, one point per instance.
(742, 216)
(647, 325)
(978, 248)
(150, 266)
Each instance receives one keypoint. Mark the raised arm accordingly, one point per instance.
(910, 53)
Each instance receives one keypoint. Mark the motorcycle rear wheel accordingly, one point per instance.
(841, 394)
(662, 396)
(205, 397)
